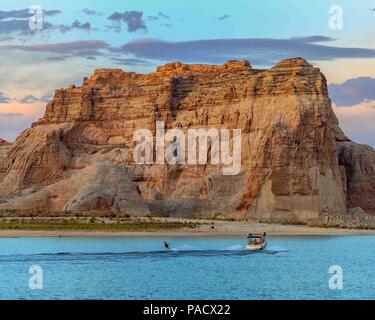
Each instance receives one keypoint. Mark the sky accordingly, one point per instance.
(40, 53)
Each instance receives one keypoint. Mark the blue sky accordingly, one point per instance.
(79, 36)
(191, 19)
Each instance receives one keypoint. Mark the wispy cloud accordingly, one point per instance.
(225, 16)
(4, 98)
(353, 91)
(17, 117)
(91, 12)
(17, 21)
(264, 52)
(81, 48)
(77, 25)
(11, 114)
(24, 13)
(160, 15)
(357, 121)
(28, 99)
(130, 62)
(259, 51)
(133, 19)
(20, 26)
(163, 15)
(166, 25)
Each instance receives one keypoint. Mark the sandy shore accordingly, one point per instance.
(221, 229)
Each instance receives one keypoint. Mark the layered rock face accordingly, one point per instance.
(79, 156)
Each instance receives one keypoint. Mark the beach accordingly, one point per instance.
(205, 228)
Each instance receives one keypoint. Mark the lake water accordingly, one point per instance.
(196, 268)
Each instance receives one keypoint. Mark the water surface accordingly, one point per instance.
(196, 268)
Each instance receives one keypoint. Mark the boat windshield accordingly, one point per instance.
(255, 240)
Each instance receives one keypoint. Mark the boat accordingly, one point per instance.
(256, 242)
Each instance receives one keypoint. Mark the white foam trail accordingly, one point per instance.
(185, 247)
(236, 247)
(275, 248)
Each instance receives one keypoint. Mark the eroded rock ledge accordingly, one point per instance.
(297, 164)
(3, 143)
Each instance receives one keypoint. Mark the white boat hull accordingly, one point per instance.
(256, 247)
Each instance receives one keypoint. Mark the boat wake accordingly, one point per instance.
(182, 251)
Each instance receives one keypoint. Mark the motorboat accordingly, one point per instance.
(256, 242)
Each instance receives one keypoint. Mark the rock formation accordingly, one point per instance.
(359, 163)
(297, 164)
(3, 143)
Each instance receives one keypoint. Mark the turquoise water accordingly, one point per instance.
(196, 268)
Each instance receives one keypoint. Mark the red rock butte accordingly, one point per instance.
(297, 164)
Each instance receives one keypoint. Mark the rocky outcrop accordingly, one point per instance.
(4, 143)
(4, 161)
(289, 163)
(358, 162)
(99, 188)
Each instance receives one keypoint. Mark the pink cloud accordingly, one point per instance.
(358, 121)
(16, 117)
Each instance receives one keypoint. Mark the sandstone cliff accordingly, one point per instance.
(359, 163)
(297, 164)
